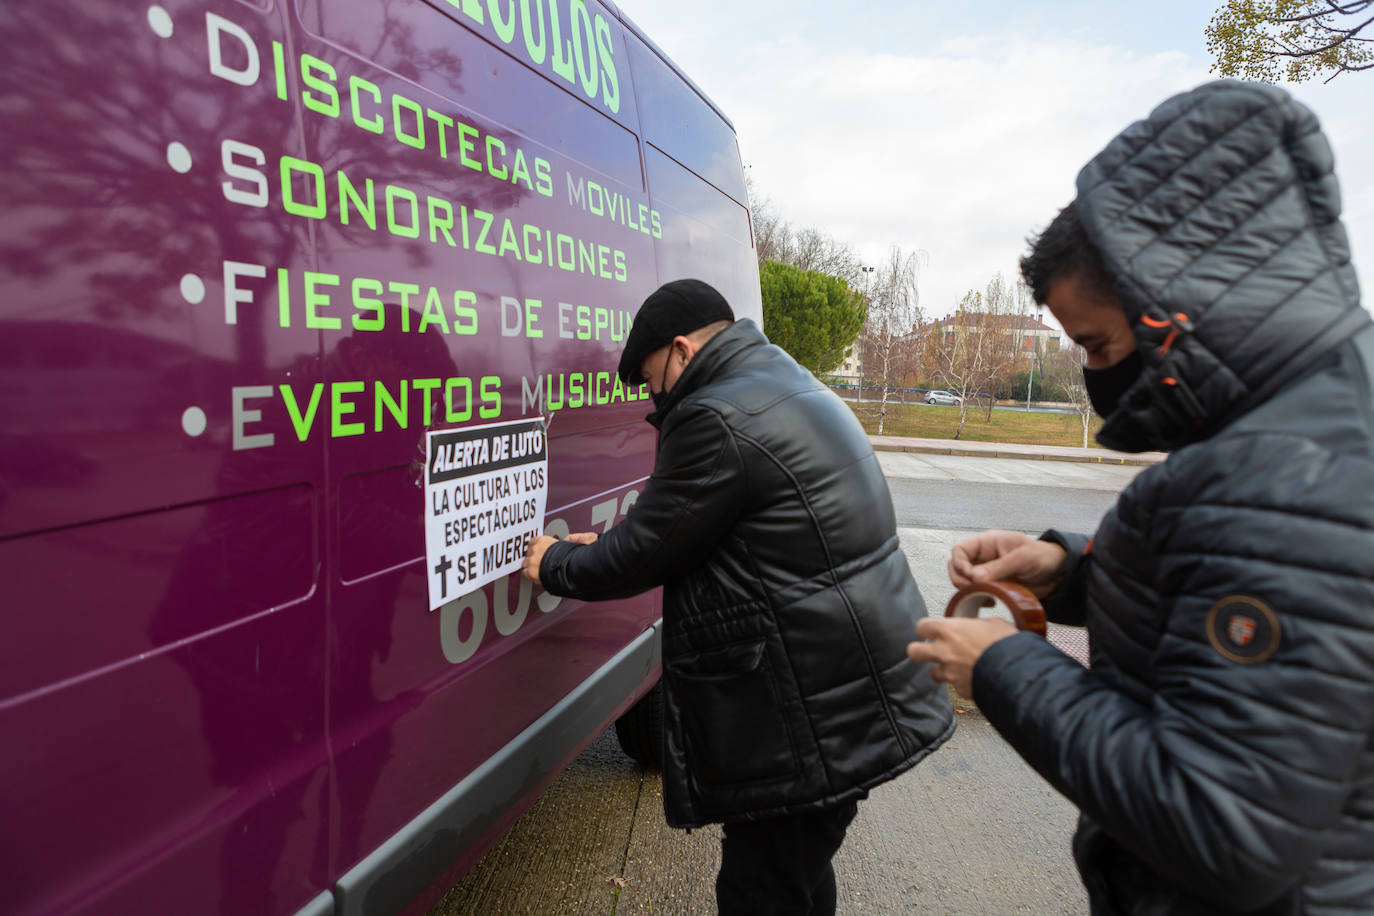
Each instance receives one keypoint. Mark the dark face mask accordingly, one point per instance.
(1106, 386)
(660, 398)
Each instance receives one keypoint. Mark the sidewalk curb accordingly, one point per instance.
(962, 449)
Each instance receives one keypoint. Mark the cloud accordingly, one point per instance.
(960, 139)
(962, 152)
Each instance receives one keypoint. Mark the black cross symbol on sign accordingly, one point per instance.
(441, 570)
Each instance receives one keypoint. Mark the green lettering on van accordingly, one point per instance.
(464, 312)
(588, 73)
(284, 297)
(349, 192)
(464, 410)
(440, 223)
(425, 386)
(466, 135)
(470, 8)
(399, 408)
(354, 84)
(562, 60)
(505, 29)
(434, 312)
(367, 304)
(501, 173)
(444, 122)
(537, 51)
(329, 107)
(416, 140)
(342, 408)
(289, 203)
(508, 240)
(491, 397)
(301, 423)
(610, 80)
(279, 68)
(486, 219)
(413, 230)
(314, 299)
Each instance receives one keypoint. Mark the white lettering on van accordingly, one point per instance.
(585, 322)
(599, 200)
(228, 151)
(457, 649)
(242, 417)
(531, 398)
(516, 317)
(233, 294)
(216, 28)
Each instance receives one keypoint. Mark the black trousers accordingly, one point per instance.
(781, 866)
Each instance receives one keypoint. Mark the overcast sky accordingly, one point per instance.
(958, 129)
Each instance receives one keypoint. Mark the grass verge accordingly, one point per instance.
(924, 421)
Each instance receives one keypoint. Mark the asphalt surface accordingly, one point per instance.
(971, 831)
(1027, 502)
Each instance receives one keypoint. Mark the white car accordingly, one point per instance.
(943, 397)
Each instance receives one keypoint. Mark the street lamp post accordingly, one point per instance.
(1035, 345)
(868, 285)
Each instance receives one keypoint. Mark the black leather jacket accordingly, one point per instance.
(1221, 748)
(787, 604)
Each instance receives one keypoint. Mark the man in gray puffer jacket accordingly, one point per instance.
(1221, 747)
(787, 601)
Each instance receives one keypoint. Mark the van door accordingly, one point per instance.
(481, 251)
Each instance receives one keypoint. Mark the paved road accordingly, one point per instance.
(951, 493)
(971, 831)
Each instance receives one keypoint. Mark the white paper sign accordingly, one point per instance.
(485, 492)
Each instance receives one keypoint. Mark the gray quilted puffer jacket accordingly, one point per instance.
(1221, 748)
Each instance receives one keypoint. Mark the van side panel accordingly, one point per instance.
(162, 703)
(253, 252)
(418, 699)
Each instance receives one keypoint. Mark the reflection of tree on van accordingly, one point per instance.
(112, 212)
(356, 114)
(257, 741)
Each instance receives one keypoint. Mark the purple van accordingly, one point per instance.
(253, 252)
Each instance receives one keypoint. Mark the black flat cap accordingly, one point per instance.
(679, 307)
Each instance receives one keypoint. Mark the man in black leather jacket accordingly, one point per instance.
(787, 601)
(1221, 747)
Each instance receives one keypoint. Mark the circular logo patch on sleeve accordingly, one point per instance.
(1243, 629)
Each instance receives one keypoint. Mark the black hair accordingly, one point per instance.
(1064, 248)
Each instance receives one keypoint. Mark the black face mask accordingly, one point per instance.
(660, 398)
(1106, 386)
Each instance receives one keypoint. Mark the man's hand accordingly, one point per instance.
(1007, 555)
(535, 555)
(954, 645)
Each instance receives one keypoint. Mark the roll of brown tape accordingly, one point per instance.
(1025, 609)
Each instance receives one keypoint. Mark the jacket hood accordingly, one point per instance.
(1218, 217)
